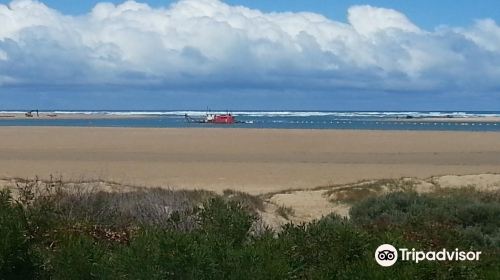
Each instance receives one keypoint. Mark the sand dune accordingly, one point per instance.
(296, 206)
(307, 205)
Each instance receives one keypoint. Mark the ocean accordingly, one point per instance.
(373, 120)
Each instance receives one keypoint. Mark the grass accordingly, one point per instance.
(88, 204)
(285, 211)
(251, 202)
(366, 189)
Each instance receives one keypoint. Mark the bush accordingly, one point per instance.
(38, 240)
(226, 222)
(327, 249)
(455, 218)
(77, 256)
(16, 260)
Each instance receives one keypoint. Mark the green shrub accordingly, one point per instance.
(227, 222)
(77, 256)
(466, 218)
(16, 261)
(331, 248)
(56, 237)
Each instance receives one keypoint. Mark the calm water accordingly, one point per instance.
(279, 119)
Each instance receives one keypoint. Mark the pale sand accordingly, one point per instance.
(69, 116)
(251, 160)
(308, 205)
(313, 204)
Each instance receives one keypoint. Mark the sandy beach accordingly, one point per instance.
(252, 160)
(69, 116)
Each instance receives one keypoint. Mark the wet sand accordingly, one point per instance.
(251, 160)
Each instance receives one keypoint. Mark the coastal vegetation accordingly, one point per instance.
(50, 232)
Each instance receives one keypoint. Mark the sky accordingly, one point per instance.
(254, 55)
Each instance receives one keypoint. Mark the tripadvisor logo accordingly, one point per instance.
(387, 255)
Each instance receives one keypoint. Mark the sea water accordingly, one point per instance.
(379, 120)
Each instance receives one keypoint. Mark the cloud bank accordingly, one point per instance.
(207, 44)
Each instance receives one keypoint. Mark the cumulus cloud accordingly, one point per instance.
(195, 44)
(368, 20)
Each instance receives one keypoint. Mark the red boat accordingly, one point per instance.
(220, 119)
(213, 118)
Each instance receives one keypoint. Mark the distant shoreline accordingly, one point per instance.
(450, 119)
(71, 116)
(489, 116)
(393, 121)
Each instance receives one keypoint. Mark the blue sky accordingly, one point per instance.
(339, 55)
(426, 13)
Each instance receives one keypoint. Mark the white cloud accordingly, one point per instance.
(485, 33)
(207, 43)
(368, 20)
